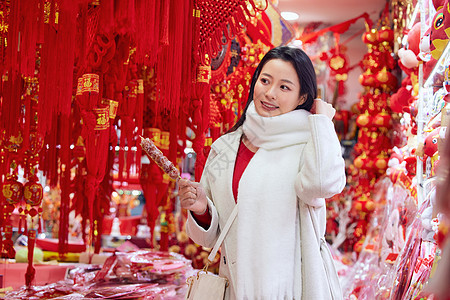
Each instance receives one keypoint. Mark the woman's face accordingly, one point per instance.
(277, 89)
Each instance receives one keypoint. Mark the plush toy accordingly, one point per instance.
(438, 36)
(408, 54)
(424, 45)
(425, 53)
(430, 146)
(410, 165)
(428, 151)
(427, 216)
(438, 4)
(446, 12)
(400, 100)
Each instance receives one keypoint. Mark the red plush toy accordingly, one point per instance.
(429, 149)
(408, 54)
(401, 99)
(430, 146)
(438, 36)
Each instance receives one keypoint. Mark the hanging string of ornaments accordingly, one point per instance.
(372, 149)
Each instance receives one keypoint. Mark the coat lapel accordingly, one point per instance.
(221, 168)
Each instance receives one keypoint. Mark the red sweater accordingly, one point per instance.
(243, 157)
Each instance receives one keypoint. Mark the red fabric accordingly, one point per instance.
(204, 220)
(243, 157)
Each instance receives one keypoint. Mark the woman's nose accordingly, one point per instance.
(271, 92)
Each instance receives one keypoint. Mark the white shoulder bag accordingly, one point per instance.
(328, 263)
(204, 285)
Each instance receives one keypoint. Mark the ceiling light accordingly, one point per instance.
(289, 16)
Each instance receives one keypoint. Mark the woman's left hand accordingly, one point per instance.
(324, 108)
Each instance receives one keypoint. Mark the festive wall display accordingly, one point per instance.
(91, 77)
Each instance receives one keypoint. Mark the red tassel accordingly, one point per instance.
(27, 123)
(145, 24)
(121, 152)
(8, 250)
(48, 92)
(201, 107)
(165, 9)
(21, 229)
(187, 70)
(31, 272)
(106, 16)
(124, 16)
(28, 36)
(64, 179)
(40, 224)
(139, 116)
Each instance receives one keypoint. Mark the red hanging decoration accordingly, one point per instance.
(12, 194)
(200, 115)
(215, 18)
(33, 193)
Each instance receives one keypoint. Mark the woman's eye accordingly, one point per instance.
(264, 80)
(285, 87)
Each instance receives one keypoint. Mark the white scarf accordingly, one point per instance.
(268, 205)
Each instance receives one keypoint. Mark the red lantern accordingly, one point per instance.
(12, 190)
(367, 79)
(33, 192)
(381, 163)
(359, 161)
(385, 79)
(386, 35)
(363, 162)
(382, 120)
(364, 120)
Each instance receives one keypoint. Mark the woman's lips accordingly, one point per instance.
(268, 106)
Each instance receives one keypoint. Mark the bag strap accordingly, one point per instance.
(332, 277)
(223, 233)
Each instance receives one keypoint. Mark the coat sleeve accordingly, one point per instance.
(205, 237)
(322, 167)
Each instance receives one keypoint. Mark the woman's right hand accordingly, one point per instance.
(192, 196)
(324, 108)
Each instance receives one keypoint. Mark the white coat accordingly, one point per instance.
(321, 175)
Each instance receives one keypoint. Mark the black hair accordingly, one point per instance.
(305, 72)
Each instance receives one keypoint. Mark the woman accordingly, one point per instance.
(279, 162)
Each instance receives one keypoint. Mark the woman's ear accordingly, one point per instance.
(302, 99)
